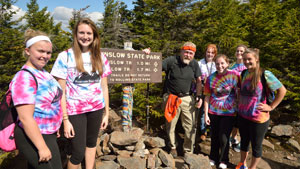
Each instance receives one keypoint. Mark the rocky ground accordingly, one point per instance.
(141, 149)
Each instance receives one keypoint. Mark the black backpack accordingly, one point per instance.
(267, 93)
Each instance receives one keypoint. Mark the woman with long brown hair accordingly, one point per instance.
(82, 72)
(253, 108)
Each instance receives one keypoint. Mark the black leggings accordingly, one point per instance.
(254, 133)
(30, 152)
(86, 127)
(221, 127)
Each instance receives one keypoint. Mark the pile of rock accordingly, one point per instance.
(134, 150)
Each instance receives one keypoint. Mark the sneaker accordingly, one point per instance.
(173, 152)
(212, 162)
(222, 165)
(237, 147)
(241, 166)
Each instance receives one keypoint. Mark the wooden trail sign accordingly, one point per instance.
(129, 66)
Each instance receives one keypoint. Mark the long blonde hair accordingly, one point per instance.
(258, 71)
(94, 48)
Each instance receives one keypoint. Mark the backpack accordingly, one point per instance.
(267, 93)
(8, 120)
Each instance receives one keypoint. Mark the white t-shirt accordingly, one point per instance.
(83, 90)
(206, 68)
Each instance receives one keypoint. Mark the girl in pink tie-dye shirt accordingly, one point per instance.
(82, 72)
(253, 110)
(37, 99)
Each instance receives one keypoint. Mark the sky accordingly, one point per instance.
(61, 10)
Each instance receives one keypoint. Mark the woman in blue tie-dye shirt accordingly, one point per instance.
(219, 106)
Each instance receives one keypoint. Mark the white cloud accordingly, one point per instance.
(95, 16)
(18, 15)
(59, 14)
(63, 15)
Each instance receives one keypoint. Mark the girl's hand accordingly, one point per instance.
(199, 103)
(206, 119)
(264, 107)
(104, 122)
(68, 129)
(44, 154)
(147, 51)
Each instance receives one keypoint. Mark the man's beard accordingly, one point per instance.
(186, 61)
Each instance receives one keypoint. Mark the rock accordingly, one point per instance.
(151, 161)
(282, 130)
(268, 144)
(132, 162)
(291, 157)
(197, 161)
(158, 162)
(155, 151)
(140, 145)
(112, 147)
(113, 116)
(107, 165)
(166, 159)
(98, 148)
(130, 148)
(141, 153)
(155, 142)
(124, 153)
(108, 158)
(123, 139)
(105, 147)
(294, 144)
(263, 164)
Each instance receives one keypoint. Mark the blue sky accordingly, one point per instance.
(61, 10)
(95, 5)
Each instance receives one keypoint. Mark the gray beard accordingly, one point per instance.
(186, 61)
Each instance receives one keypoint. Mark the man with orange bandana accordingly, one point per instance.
(181, 71)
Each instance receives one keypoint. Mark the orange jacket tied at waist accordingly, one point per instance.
(172, 106)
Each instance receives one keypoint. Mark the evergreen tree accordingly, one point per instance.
(11, 45)
(221, 23)
(41, 20)
(114, 30)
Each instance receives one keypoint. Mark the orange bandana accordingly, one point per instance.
(189, 48)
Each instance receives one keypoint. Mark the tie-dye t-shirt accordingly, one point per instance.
(206, 68)
(46, 98)
(222, 90)
(249, 100)
(239, 67)
(83, 90)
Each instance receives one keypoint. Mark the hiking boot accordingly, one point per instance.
(241, 166)
(212, 162)
(173, 152)
(222, 165)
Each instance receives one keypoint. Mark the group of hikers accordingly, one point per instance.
(227, 98)
(75, 95)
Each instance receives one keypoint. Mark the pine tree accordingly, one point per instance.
(11, 45)
(114, 30)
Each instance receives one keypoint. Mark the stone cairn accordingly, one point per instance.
(136, 150)
(133, 150)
